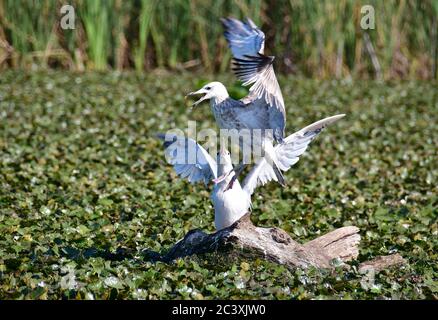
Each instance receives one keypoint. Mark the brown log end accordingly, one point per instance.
(342, 244)
(383, 262)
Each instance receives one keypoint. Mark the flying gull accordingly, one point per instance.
(263, 108)
(231, 203)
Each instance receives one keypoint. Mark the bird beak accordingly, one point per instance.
(222, 151)
(221, 178)
(195, 93)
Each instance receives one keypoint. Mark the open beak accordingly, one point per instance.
(222, 151)
(222, 177)
(196, 93)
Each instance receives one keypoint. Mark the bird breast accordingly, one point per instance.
(225, 116)
(230, 205)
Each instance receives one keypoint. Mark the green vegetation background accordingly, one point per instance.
(87, 199)
(315, 38)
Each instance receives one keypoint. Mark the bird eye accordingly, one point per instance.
(207, 88)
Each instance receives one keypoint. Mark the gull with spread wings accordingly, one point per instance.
(232, 202)
(263, 108)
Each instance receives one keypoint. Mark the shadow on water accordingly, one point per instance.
(181, 248)
(119, 254)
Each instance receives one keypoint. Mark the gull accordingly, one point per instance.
(263, 108)
(231, 203)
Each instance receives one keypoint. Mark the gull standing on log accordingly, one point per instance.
(263, 108)
(231, 203)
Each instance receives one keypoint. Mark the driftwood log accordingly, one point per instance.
(381, 263)
(244, 239)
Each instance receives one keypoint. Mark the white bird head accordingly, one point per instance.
(213, 90)
(224, 166)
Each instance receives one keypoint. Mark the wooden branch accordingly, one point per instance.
(381, 263)
(273, 244)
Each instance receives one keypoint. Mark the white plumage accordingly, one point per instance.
(263, 108)
(231, 204)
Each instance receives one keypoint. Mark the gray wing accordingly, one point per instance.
(287, 153)
(251, 66)
(243, 38)
(189, 159)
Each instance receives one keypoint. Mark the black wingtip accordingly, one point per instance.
(259, 59)
(226, 22)
(250, 64)
(279, 175)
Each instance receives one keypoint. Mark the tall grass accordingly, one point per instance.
(96, 18)
(314, 38)
(147, 11)
(29, 29)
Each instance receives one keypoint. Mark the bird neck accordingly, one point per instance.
(218, 105)
(224, 184)
(219, 98)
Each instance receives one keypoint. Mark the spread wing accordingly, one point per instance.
(251, 66)
(288, 153)
(189, 159)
